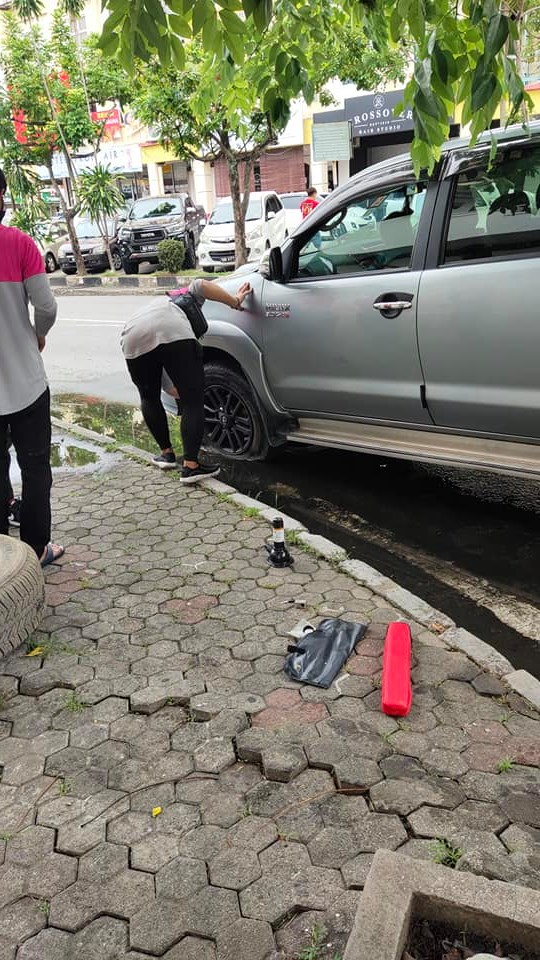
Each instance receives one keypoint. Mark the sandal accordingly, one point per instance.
(53, 552)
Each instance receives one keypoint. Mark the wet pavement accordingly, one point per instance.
(469, 543)
(167, 791)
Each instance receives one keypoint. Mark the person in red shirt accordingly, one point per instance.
(309, 203)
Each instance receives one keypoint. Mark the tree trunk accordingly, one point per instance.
(69, 215)
(103, 226)
(240, 249)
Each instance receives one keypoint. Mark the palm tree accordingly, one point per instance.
(100, 199)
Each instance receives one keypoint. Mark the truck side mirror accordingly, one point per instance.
(275, 265)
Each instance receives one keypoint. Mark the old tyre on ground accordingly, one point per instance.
(22, 593)
(233, 423)
(130, 268)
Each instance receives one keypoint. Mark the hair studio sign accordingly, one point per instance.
(374, 115)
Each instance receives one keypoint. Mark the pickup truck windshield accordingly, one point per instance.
(156, 207)
(87, 230)
(223, 213)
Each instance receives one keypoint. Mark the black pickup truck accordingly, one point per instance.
(152, 219)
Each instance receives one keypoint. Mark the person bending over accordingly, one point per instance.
(159, 338)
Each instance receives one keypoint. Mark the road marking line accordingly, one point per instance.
(104, 323)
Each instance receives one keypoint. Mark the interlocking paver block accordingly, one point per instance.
(522, 805)
(181, 878)
(68, 676)
(222, 808)
(523, 838)
(154, 852)
(355, 872)
(275, 895)
(103, 862)
(283, 762)
(434, 822)
(12, 880)
(21, 920)
(267, 798)
(214, 755)
(50, 944)
(285, 706)
(333, 847)
(30, 845)
(192, 948)
(157, 926)
(379, 832)
(234, 869)
(50, 875)
(245, 940)
(404, 796)
(356, 772)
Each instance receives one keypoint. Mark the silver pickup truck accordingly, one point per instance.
(401, 318)
(152, 219)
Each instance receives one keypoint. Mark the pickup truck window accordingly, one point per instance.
(495, 211)
(374, 232)
(156, 207)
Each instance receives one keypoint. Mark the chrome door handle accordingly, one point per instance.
(384, 305)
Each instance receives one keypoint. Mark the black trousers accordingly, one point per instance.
(30, 431)
(183, 361)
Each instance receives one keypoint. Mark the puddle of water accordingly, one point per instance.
(122, 422)
(66, 455)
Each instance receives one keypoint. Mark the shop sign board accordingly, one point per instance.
(373, 115)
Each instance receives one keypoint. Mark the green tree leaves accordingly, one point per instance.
(447, 46)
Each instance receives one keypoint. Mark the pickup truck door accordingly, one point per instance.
(478, 307)
(340, 336)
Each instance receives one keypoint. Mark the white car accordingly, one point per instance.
(265, 227)
(293, 214)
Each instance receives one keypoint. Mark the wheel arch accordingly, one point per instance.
(242, 355)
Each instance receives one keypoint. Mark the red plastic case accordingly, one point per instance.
(396, 699)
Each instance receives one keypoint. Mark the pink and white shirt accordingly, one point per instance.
(22, 278)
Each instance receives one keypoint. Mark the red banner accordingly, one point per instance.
(111, 118)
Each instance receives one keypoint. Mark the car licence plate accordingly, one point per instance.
(146, 247)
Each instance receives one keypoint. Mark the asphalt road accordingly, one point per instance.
(467, 542)
(83, 348)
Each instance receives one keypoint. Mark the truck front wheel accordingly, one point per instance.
(233, 423)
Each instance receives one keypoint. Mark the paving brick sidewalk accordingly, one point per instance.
(160, 685)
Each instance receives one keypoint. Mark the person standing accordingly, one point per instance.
(309, 204)
(159, 339)
(24, 393)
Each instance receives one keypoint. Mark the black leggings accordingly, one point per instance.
(183, 361)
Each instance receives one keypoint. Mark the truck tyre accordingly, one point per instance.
(233, 424)
(130, 268)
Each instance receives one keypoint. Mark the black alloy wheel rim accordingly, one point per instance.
(229, 424)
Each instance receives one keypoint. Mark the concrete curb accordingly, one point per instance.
(452, 636)
(147, 284)
(398, 888)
